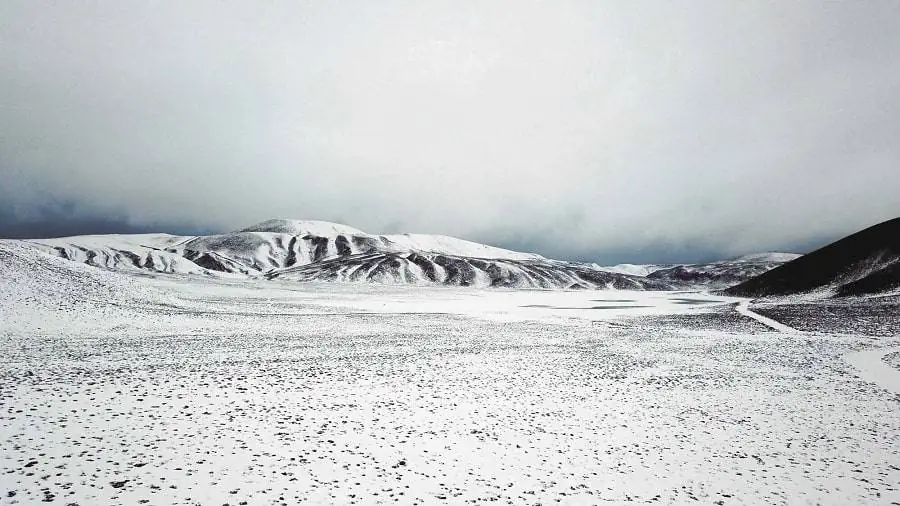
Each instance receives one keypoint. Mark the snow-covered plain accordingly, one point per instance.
(141, 388)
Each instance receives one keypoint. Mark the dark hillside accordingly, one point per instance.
(863, 263)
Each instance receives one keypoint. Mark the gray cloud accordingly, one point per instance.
(581, 129)
(62, 219)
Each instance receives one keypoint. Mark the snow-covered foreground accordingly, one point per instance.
(119, 389)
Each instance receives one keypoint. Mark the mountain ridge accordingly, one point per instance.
(719, 274)
(322, 251)
(309, 250)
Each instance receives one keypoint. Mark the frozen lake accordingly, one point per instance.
(142, 390)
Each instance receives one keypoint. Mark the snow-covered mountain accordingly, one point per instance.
(323, 251)
(709, 275)
(719, 274)
(417, 267)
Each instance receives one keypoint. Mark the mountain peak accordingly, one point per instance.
(303, 227)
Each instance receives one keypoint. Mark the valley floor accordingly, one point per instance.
(118, 389)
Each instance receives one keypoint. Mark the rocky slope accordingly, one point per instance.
(866, 262)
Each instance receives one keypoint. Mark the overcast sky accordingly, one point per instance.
(609, 131)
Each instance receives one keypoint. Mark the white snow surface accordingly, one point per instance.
(131, 387)
(871, 366)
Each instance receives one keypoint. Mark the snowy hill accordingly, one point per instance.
(153, 252)
(303, 227)
(323, 251)
(418, 267)
(723, 273)
(708, 275)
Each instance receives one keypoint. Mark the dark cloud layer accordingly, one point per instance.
(66, 219)
(592, 130)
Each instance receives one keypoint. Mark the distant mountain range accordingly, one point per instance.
(294, 250)
(710, 275)
(323, 251)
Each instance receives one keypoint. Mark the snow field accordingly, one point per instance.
(119, 389)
